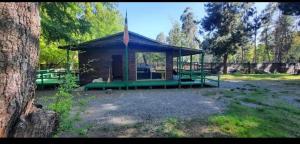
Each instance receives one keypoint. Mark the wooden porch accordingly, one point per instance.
(186, 81)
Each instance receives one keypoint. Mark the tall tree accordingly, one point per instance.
(104, 18)
(291, 9)
(283, 36)
(256, 25)
(19, 51)
(247, 11)
(176, 36)
(266, 21)
(84, 21)
(161, 37)
(63, 21)
(223, 24)
(190, 28)
(294, 52)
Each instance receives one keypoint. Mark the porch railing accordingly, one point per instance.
(50, 77)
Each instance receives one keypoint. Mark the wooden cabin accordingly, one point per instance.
(105, 58)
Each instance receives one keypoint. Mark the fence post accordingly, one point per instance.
(202, 69)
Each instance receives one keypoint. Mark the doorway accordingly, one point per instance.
(117, 67)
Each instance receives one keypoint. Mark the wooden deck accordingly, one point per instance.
(46, 78)
(195, 82)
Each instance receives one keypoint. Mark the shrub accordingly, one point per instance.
(63, 102)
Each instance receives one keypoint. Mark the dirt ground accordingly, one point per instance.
(143, 113)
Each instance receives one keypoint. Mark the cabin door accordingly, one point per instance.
(117, 67)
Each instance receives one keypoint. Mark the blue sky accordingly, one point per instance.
(151, 18)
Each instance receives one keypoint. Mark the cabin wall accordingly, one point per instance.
(131, 65)
(95, 63)
(169, 65)
(98, 62)
(83, 68)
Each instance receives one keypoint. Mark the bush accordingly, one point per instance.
(64, 101)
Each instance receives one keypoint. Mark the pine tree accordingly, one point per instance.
(224, 27)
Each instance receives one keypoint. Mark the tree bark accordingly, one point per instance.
(243, 53)
(19, 51)
(225, 63)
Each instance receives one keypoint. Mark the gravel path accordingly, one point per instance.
(132, 106)
(150, 106)
(129, 107)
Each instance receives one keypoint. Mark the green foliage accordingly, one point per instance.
(161, 37)
(50, 54)
(190, 28)
(272, 117)
(228, 93)
(260, 77)
(71, 23)
(294, 52)
(291, 8)
(233, 28)
(176, 36)
(234, 125)
(283, 36)
(225, 29)
(242, 121)
(172, 128)
(104, 19)
(64, 102)
(61, 20)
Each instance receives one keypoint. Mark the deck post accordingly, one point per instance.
(180, 64)
(202, 69)
(191, 61)
(126, 67)
(177, 63)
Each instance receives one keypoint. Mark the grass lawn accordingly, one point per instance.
(264, 119)
(268, 119)
(260, 77)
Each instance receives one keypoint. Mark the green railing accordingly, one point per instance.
(50, 77)
(212, 79)
(209, 79)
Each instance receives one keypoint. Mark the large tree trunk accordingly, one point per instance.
(225, 63)
(19, 49)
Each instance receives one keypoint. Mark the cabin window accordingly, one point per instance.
(150, 65)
